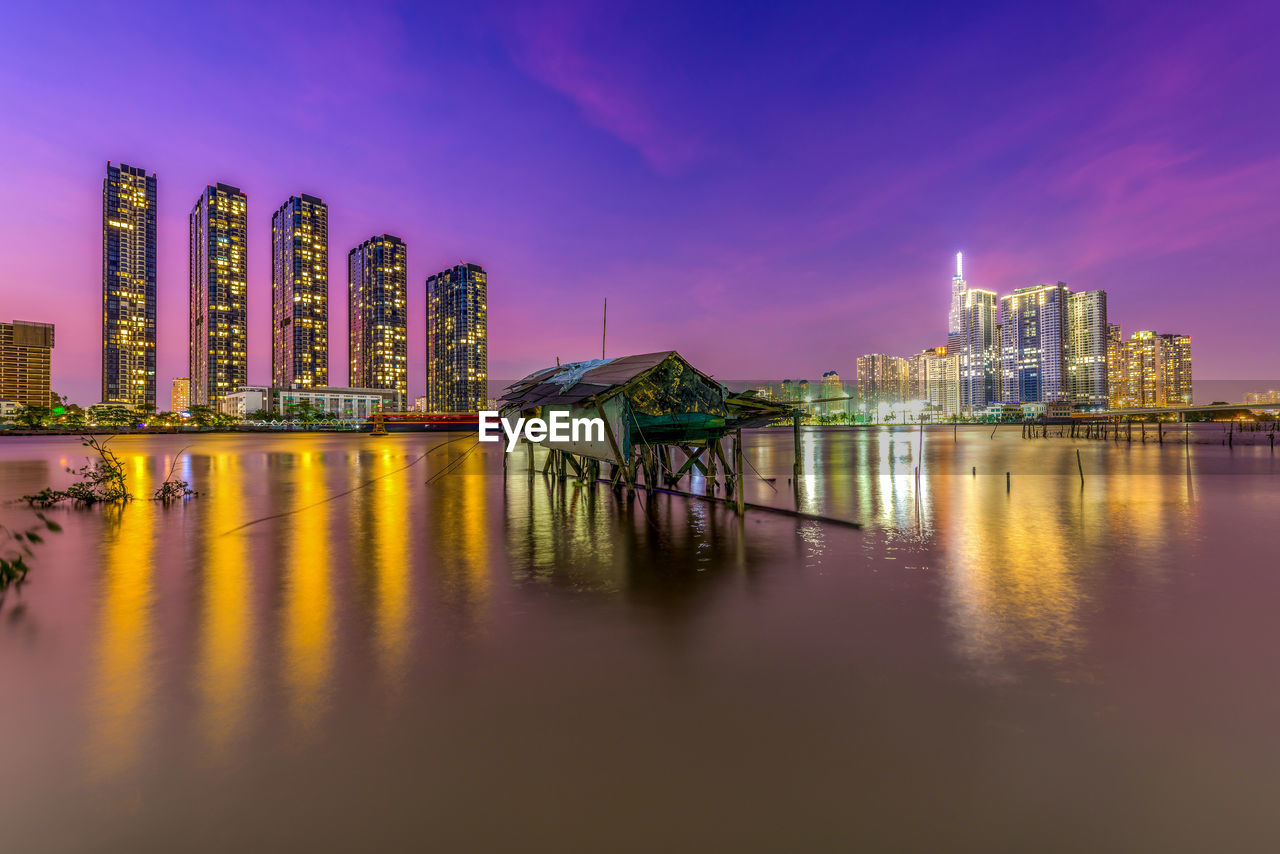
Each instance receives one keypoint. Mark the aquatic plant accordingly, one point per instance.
(173, 489)
(15, 548)
(100, 481)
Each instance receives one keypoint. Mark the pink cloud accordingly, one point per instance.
(560, 48)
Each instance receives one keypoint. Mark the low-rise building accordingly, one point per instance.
(343, 404)
(26, 350)
(180, 395)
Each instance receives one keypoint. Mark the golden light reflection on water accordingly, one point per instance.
(458, 528)
(391, 501)
(226, 615)
(308, 608)
(1016, 577)
(120, 704)
(1013, 575)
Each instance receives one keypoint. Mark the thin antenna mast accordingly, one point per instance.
(604, 327)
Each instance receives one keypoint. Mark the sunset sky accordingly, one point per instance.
(771, 189)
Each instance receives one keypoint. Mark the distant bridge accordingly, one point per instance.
(1179, 410)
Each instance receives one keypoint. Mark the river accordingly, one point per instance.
(359, 643)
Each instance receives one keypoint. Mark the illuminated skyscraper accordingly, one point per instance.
(833, 387)
(458, 339)
(944, 382)
(129, 286)
(180, 395)
(1117, 379)
(978, 351)
(300, 293)
(377, 322)
(1177, 366)
(1157, 370)
(219, 277)
(26, 351)
(920, 368)
(955, 328)
(1035, 344)
(881, 378)
(1087, 351)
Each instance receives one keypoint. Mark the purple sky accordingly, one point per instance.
(769, 190)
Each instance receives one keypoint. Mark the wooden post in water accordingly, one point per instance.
(795, 440)
(738, 491)
(1080, 466)
(711, 465)
(1007, 482)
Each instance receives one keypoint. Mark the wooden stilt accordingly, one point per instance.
(740, 493)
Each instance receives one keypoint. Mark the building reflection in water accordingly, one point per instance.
(663, 553)
(390, 505)
(121, 703)
(308, 606)
(1016, 567)
(1022, 563)
(227, 615)
(457, 522)
(226, 606)
(557, 531)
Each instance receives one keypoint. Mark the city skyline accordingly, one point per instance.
(1147, 173)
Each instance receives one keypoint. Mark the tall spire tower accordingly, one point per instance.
(955, 329)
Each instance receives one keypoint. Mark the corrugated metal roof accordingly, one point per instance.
(575, 382)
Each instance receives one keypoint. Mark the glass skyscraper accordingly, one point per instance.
(129, 286)
(955, 325)
(979, 351)
(1087, 352)
(1034, 344)
(457, 339)
(300, 293)
(219, 360)
(1156, 371)
(377, 309)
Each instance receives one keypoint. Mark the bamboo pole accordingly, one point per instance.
(739, 492)
(795, 440)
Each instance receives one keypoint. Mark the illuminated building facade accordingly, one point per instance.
(343, 404)
(1157, 371)
(180, 395)
(955, 326)
(1087, 327)
(377, 315)
(458, 339)
(881, 378)
(1262, 397)
(979, 350)
(1117, 380)
(219, 284)
(300, 293)
(1035, 344)
(944, 382)
(830, 387)
(920, 370)
(26, 358)
(129, 286)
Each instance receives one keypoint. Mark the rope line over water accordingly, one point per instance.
(338, 495)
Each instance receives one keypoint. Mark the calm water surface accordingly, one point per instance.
(326, 652)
